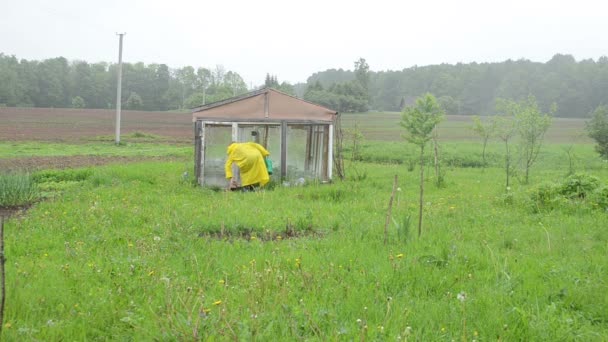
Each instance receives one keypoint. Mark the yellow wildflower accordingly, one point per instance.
(217, 302)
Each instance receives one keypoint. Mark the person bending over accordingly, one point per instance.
(246, 166)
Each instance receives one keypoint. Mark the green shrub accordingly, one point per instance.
(579, 185)
(575, 190)
(17, 189)
(544, 195)
(599, 197)
(57, 176)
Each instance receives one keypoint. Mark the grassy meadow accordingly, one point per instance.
(135, 252)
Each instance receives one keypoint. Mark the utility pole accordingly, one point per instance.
(119, 88)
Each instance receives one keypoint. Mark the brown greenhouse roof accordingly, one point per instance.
(264, 104)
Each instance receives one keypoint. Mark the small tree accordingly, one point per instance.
(597, 128)
(134, 101)
(531, 125)
(505, 130)
(357, 140)
(78, 102)
(419, 122)
(486, 130)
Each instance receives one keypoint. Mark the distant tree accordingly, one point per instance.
(161, 82)
(419, 121)
(78, 102)
(449, 104)
(597, 129)
(134, 101)
(185, 80)
(53, 82)
(272, 81)
(9, 79)
(217, 76)
(531, 125)
(218, 93)
(323, 98)
(203, 80)
(195, 100)
(235, 82)
(485, 129)
(362, 73)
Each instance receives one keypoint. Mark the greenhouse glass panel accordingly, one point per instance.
(217, 139)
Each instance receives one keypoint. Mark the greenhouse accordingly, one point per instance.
(298, 134)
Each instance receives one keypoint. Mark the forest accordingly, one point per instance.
(576, 87)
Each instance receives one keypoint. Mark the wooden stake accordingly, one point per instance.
(390, 208)
(2, 281)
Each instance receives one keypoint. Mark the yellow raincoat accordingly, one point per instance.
(249, 157)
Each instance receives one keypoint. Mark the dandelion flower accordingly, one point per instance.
(399, 256)
(217, 302)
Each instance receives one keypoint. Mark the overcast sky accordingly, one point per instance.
(294, 39)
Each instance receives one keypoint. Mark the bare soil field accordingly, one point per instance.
(74, 125)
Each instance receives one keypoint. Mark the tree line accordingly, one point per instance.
(57, 82)
(577, 88)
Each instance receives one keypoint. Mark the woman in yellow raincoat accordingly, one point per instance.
(245, 166)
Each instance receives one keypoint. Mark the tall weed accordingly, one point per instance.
(17, 189)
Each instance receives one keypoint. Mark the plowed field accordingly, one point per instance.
(73, 125)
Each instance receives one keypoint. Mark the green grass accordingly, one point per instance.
(136, 252)
(17, 189)
(16, 149)
(120, 257)
(384, 126)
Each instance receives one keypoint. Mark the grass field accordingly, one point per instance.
(385, 127)
(134, 251)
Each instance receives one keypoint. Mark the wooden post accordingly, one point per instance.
(3, 280)
(308, 156)
(325, 163)
(421, 190)
(330, 154)
(283, 150)
(266, 136)
(390, 209)
(197, 150)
